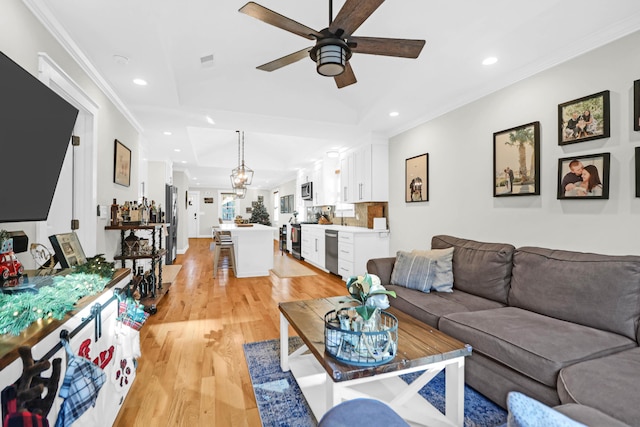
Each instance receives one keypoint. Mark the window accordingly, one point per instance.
(228, 206)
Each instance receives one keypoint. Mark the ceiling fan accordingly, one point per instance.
(335, 44)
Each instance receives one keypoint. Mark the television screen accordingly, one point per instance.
(35, 129)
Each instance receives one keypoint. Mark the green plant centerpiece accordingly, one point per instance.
(369, 292)
(364, 334)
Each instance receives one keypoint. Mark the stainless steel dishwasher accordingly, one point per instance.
(331, 251)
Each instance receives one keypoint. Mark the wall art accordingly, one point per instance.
(417, 179)
(516, 161)
(121, 164)
(636, 105)
(584, 177)
(584, 119)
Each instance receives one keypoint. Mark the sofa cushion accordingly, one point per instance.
(443, 278)
(482, 269)
(527, 412)
(535, 345)
(609, 384)
(572, 286)
(413, 271)
(428, 308)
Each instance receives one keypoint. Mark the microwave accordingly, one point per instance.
(306, 191)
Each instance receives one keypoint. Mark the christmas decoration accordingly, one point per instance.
(20, 309)
(96, 265)
(259, 215)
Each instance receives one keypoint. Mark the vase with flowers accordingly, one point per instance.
(363, 334)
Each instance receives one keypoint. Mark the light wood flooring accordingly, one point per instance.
(192, 371)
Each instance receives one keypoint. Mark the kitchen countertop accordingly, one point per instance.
(345, 228)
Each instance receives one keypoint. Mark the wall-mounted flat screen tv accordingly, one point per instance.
(35, 129)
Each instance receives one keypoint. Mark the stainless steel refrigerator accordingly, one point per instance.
(172, 223)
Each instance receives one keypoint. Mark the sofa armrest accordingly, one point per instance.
(381, 267)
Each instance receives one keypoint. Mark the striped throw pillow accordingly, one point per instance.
(413, 271)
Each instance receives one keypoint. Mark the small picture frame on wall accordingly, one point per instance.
(516, 161)
(637, 171)
(636, 105)
(584, 119)
(584, 177)
(121, 164)
(417, 179)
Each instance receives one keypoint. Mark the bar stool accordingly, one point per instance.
(221, 243)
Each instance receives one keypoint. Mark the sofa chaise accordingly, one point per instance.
(561, 327)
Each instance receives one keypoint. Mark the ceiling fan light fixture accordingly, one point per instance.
(331, 56)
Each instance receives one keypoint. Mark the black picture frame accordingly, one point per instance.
(600, 162)
(571, 112)
(121, 164)
(637, 171)
(416, 186)
(286, 204)
(515, 147)
(68, 249)
(636, 105)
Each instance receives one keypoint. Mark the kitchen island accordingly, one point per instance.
(253, 247)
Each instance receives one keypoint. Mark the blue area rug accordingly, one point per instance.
(281, 403)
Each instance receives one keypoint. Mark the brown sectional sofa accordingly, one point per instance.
(559, 326)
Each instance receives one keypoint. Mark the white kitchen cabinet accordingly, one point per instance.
(356, 248)
(364, 174)
(313, 245)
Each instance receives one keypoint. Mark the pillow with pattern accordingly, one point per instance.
(413, 271)
(443, 278)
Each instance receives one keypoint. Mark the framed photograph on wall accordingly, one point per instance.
(584, 119)
(417, 179)
(516, 161)
(637, 171)
(636, 105)
(121, 164)
(584, 177)
(68, 249)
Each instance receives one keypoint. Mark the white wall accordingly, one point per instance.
(21, 38)
(460, 147)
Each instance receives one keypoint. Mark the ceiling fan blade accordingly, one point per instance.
(285, 60)
(352, 15)
(270, 17)
(388, 47)
(346, 78)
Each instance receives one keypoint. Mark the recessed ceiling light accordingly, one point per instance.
(177, 150)
(166, 132)
(210, 121)
(394, 114)
(120, 59)
(490, 60)
(140, 82)
(332, 154)
(184, 161)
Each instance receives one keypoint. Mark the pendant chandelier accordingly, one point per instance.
(242, 175)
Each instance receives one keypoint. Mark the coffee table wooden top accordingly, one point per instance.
(418, 343)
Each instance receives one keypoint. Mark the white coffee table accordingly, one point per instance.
(325, 382)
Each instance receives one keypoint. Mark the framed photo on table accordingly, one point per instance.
(584, 177)
(417, 179)
(516, 161)
(584, 119)
(121, 164)
(68, 249)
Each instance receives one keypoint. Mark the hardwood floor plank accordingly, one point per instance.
(192, 371)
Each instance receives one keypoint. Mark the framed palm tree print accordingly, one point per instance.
(516, 161)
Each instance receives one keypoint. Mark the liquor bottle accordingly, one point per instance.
(153, 212)
(135, 214)
(144, 212)
(126, 212)
(114, 213)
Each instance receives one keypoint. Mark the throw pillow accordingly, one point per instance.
(527, 412)
(413, 271)
(443, 278)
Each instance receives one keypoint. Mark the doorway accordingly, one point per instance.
(193, 213)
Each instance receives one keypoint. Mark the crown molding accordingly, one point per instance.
(40, 10)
